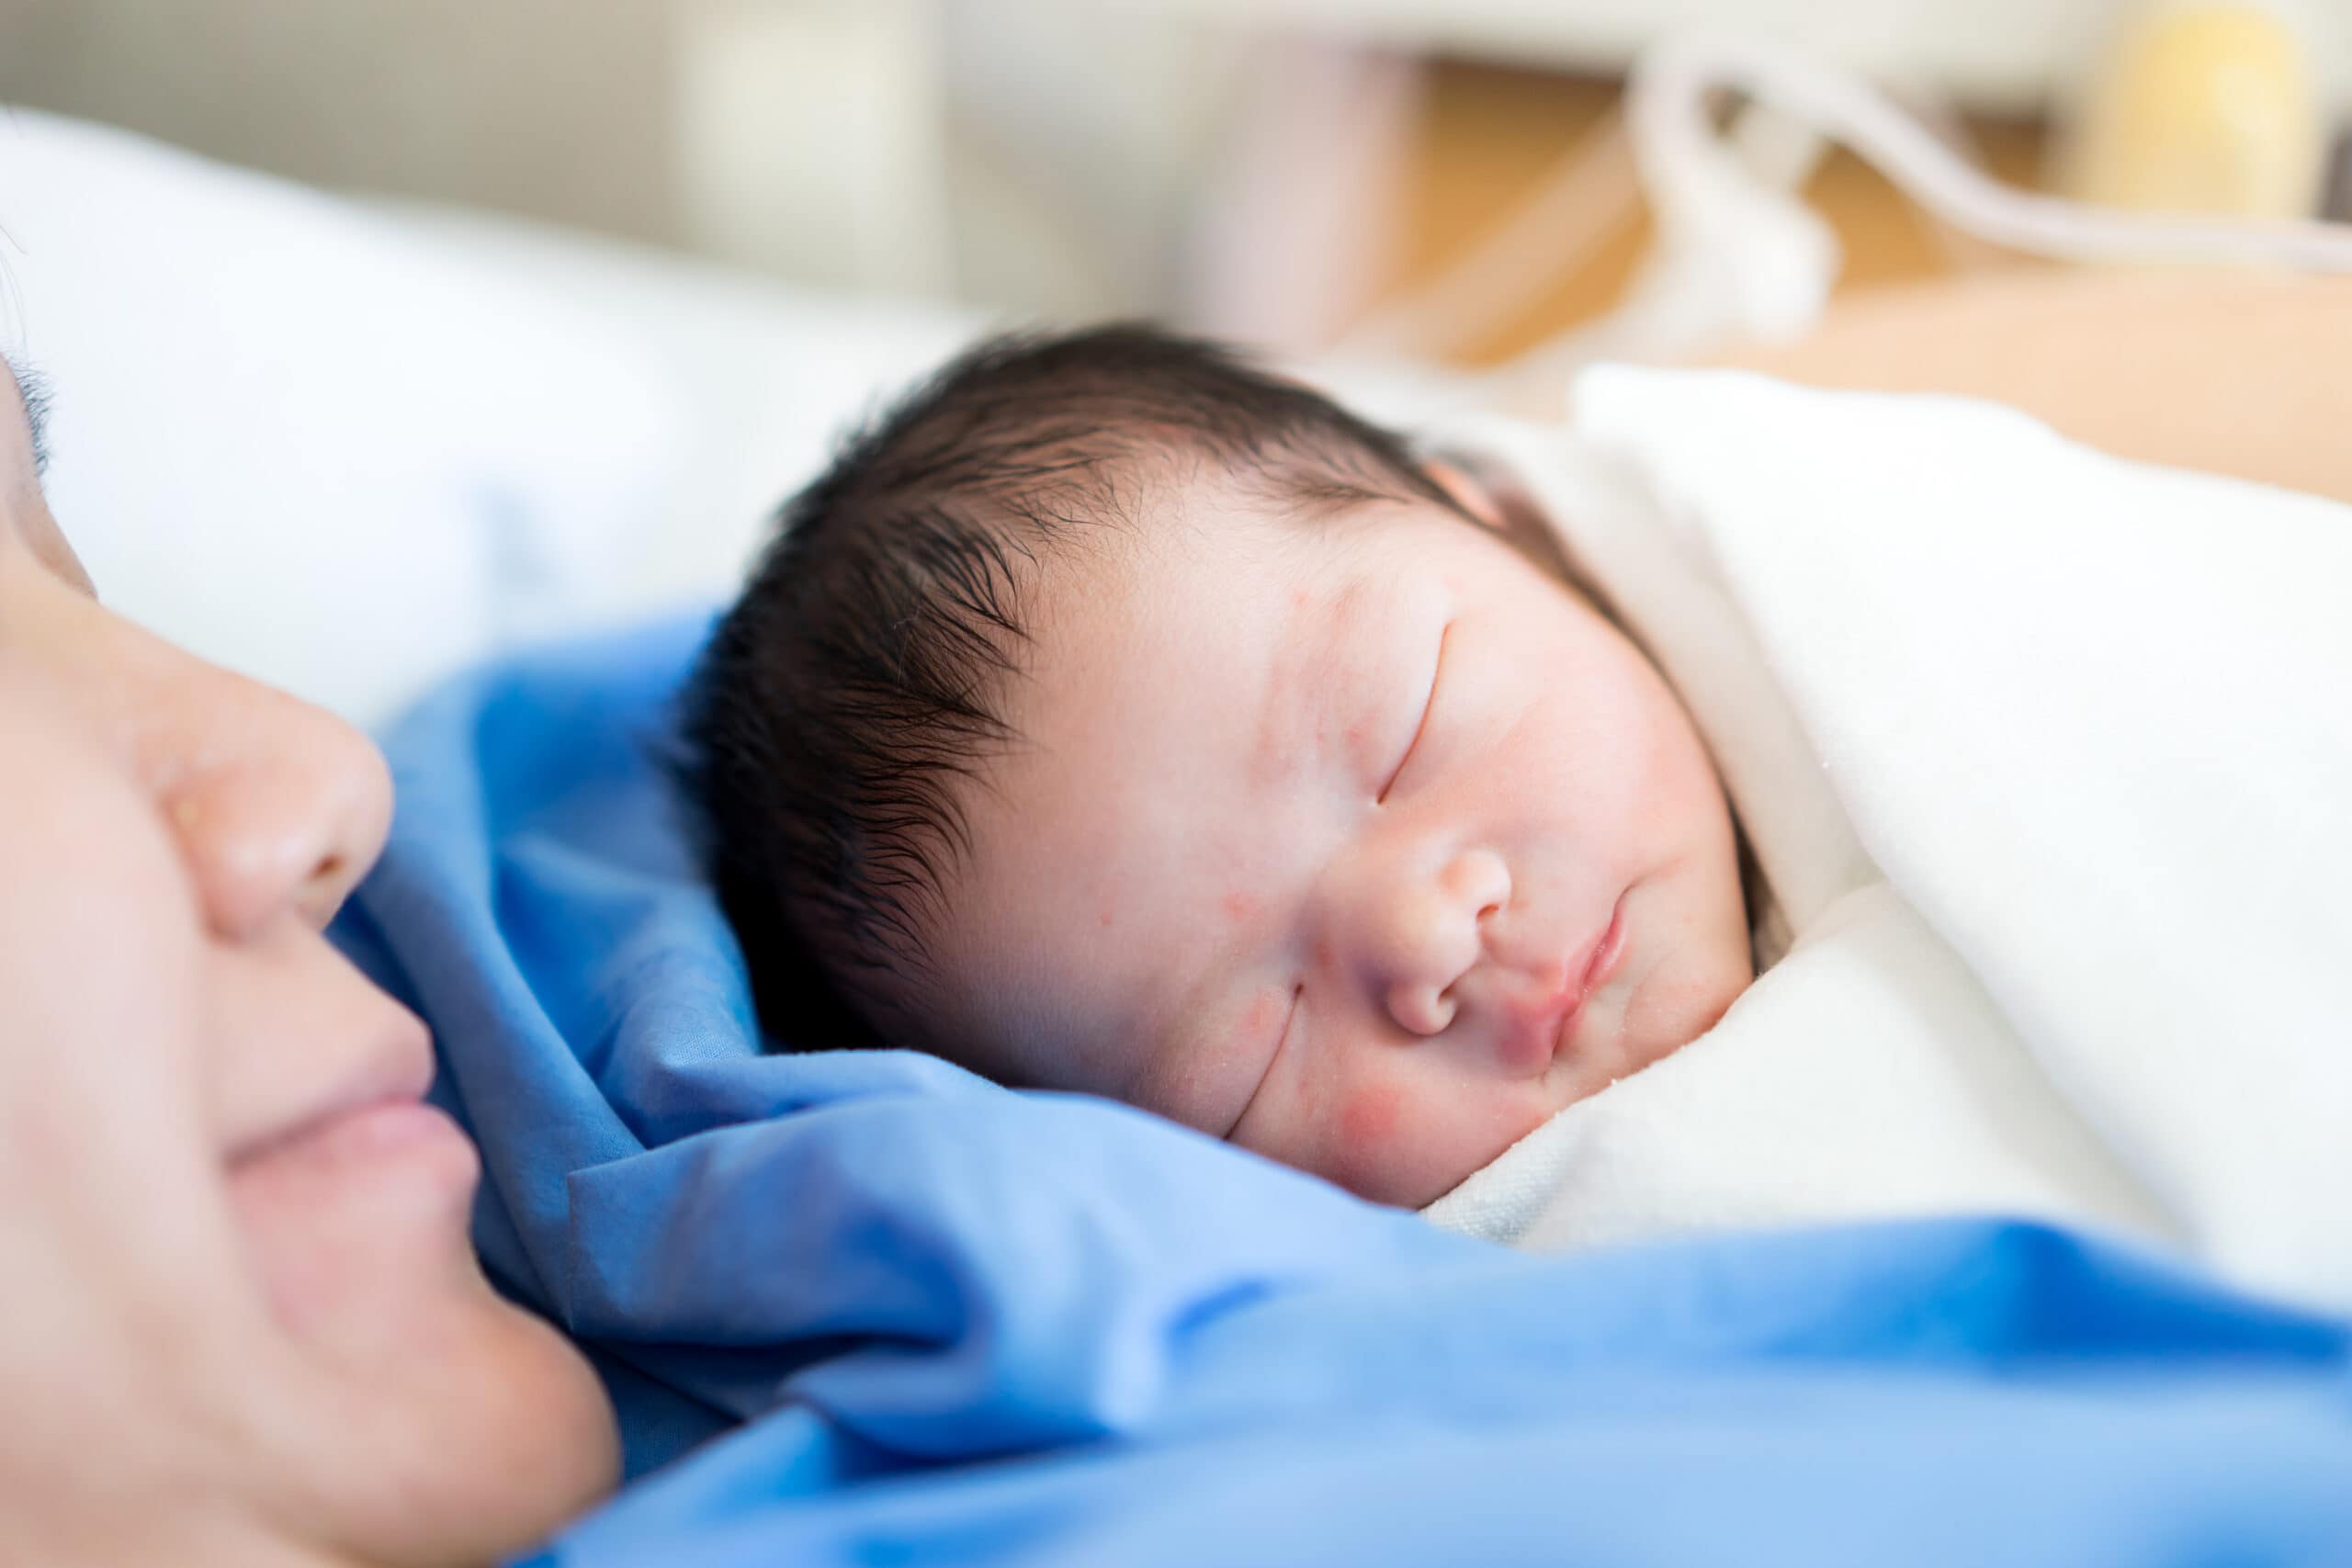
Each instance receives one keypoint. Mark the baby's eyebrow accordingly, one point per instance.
(1297, 678)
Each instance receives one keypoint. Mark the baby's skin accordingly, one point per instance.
(1358, 840)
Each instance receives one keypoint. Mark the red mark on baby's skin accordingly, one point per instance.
(1367, 1118)
(1240, 906)
(1258, 1018)
(1298, 598)
(1110, 916)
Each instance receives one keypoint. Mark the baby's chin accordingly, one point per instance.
(1660, 1006)
(1657, 1013)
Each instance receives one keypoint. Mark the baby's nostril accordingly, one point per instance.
(1489, 911)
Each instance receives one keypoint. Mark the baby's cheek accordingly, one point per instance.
(1361, 1139)
(1261, 1015)
(1368, 1117)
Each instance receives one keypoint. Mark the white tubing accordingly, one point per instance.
(1683, 161)
(1588, 197)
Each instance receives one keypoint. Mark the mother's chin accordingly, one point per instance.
(438, 1422)
(493, 1446)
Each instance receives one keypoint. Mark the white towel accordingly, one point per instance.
(2047, 759)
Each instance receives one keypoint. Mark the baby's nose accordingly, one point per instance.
(1435, 933)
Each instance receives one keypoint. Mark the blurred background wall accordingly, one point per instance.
(1281, 168)
(551, 108)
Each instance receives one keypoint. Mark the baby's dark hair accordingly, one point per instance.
(844, 703)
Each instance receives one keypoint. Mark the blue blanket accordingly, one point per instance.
(900, 1315)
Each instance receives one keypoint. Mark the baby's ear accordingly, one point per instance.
(1467, 493)
(1500, 503)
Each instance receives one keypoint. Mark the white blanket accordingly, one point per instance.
(2047, 759)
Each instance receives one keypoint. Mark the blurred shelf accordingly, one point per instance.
(1996, 55)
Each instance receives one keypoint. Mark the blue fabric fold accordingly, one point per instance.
(929, 1320)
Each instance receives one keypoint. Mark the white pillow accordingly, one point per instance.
(289, 438)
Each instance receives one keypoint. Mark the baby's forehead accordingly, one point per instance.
(1232, 647)
(1216, 591)
(1230, 523)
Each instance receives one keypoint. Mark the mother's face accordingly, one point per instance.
(240, 1317)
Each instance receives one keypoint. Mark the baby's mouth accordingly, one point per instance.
(1606, 955)
(1534, 1039)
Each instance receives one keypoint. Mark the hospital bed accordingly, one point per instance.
(864, 1308)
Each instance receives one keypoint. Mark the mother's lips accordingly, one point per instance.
(395, 1068)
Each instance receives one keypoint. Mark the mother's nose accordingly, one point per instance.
(280, 806)
(1423, 931)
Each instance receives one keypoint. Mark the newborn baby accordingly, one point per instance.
(1113, 717)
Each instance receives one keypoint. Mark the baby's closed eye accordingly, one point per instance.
(1420, 724)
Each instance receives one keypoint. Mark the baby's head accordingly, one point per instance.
(1115, 717)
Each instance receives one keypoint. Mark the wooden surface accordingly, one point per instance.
(1489, 135)
(2232, 373)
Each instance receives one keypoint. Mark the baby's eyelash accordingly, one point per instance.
(1297, 995)
(1429, 704)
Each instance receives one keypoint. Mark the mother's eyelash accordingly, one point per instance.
(33, 388)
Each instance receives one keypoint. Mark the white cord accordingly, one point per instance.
(1682, 158)
(1588, 195)
(1739, 256)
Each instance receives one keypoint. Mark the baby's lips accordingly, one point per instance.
(1533, 1040)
